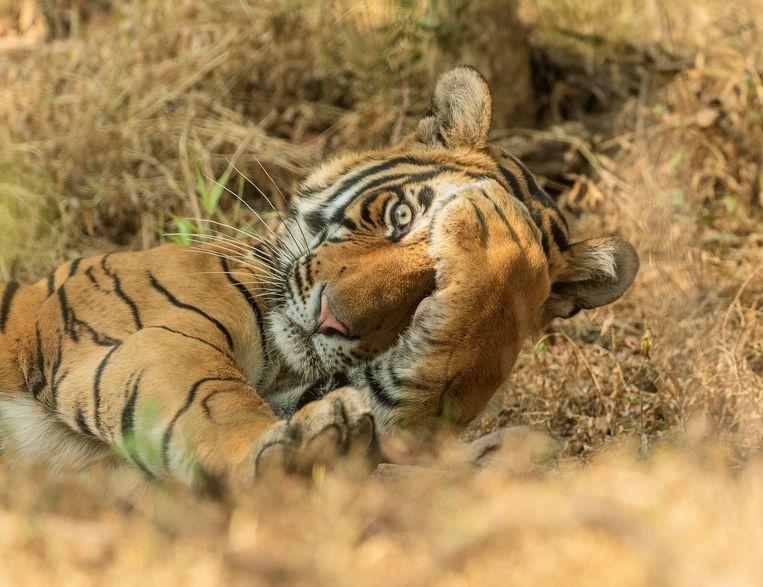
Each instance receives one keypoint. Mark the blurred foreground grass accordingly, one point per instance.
(644, 118)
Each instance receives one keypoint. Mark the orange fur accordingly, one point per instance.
(179, 361)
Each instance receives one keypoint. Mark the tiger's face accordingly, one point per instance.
(357, 258)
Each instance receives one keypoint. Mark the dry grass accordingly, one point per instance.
(649, 123)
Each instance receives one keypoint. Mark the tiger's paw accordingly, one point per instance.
(337, 428)
(476, 235)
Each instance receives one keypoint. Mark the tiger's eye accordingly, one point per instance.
(402, 215)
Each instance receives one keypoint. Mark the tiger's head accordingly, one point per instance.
(356, 256)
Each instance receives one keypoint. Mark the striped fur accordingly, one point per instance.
(399, 292)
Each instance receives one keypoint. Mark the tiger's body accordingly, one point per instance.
(399, 292)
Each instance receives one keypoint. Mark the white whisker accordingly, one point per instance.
(276, 250)
(307, 247)
(235, 258)
(239, 198)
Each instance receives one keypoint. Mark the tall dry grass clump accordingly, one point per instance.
(117, 118)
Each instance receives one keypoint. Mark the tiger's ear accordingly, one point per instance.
(597, 272)
(460, 113)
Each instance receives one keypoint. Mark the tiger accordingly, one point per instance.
(396, 294)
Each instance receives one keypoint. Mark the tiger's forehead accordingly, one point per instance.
(327, 200)
(329, 193)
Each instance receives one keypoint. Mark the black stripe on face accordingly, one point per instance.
(315, 221)
(349, 224)
(405, 178)
(378, 391)
(121, 293)
(310, 395)
(298, 281)
(358, 177)
(382, 181)
(178, 304)
(365, 208)
(249, 297)
(425, 197)
(51, 283)
(308, 264)
(5, 305)
(167, 438)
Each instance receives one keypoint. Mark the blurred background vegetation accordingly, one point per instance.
(642, 118)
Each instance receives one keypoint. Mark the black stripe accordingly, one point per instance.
(51, 283)
(5, 306)
(502, 216)
(365, 207)
(559, 237)
(483, 225)
(65, 316)
(183, 409)
(400, 177)
(378, 391)
(91, 276)
(349, 224)
(128, 412)
(72, 324)
(538, 192)
(310, 395)
(82, 423)
(97, 385)
(54, 380)
(308, 264)
(250, 299)
(425, 197)
(74, 266)
(40, 382)
(173, 331)
(298, 281)
(314, 221)
(177, 303)
(128, 426)
(358, 177)
(514, 185)
(121, 293)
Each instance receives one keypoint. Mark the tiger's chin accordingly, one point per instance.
(312, 356)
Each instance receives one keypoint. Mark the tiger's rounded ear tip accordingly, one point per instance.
(459, 76)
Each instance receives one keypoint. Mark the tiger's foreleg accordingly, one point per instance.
(172, 404)
(178, 406)
(465, 337)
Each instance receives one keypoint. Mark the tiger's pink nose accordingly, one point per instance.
(327, 322)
